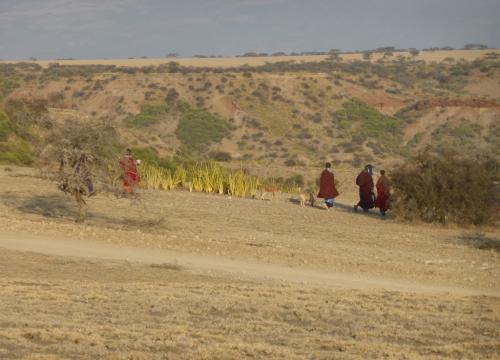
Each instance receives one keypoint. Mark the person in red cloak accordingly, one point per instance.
(383, 193)
(327, 189)
(131, 175)
(365, 183)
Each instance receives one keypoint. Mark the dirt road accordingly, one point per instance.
(257, 271)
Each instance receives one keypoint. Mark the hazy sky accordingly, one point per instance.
(50, 29)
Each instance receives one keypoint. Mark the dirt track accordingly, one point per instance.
(198, 276)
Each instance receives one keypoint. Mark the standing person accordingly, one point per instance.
(327, 190)
(130, 173)
(383, 193)
(365, 183)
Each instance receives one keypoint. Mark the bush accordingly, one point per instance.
(448, 188)
(221, 156)
(27, 112)
(149, 115)
(369, 124)
(373, 122)
(146, 154)
(198, 129)
(6, 87)
(16, 152)
(5, 126)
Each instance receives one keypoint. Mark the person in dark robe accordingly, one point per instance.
(131, 177)
(365, 182)
(383, 193)
(327, 189)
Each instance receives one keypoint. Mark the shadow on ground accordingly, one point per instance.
(479, 241)
(64, 208)
(49, 206)
(339, 206)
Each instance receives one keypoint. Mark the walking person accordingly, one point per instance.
(383, 193)
(365, 182)
(327, 189)
(131, 177)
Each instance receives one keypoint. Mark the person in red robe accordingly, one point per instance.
(365, 183)
(327, 189)
(383, 193)
(131, 177)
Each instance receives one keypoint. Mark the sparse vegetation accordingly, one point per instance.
(262, 109)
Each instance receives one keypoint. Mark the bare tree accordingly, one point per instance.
(87, 153)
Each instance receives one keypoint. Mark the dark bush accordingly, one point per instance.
(172, 96)
(448, 187)
(221, 156)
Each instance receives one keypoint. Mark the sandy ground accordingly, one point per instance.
(194, 276)
(256, 61)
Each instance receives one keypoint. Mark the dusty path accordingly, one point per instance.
(221, 266)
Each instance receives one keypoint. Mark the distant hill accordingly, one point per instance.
(286, 112)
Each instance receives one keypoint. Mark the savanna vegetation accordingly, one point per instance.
(286, 113)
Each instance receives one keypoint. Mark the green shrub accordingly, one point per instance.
(6, 86)
(5, 126)
(198, 129)
(149, 155)
(371, 125)
(16, 152)
(150, 114)
(373, 122)
(447, 188)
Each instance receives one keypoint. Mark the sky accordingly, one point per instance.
(97, 29)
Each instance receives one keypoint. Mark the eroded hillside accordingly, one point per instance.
(283, 113)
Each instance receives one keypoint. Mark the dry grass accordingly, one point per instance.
(206, 177)
(60, 307)
(129, 311)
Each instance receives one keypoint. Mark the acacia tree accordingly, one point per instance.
(414, 52)
(86, 153)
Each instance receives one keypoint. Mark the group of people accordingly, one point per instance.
(327, 191)
(367, 197)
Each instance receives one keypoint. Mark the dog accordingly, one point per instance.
(305, 196)
(269, 190)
